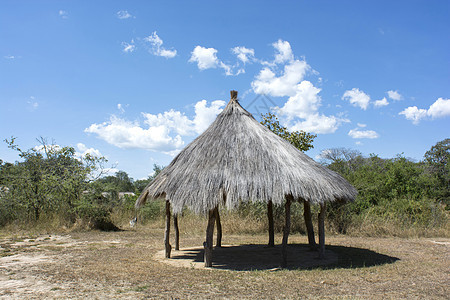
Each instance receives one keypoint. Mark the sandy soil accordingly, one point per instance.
(130, 265)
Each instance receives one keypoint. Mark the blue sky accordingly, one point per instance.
(136, 81)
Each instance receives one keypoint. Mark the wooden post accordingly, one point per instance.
(309, 225)
(167, 232)
(208, 244)
(322, 231)
(219, 230)
(286, 229)
(270, 219)
(177, 232)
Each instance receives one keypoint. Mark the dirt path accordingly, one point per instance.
(126, 265)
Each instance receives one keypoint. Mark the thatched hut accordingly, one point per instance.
(237, 159)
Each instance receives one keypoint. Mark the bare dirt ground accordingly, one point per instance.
(126, 265)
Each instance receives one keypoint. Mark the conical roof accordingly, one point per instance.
(237, 158)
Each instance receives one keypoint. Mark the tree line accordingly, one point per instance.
(52, 182)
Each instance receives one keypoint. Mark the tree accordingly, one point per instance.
(438, 162)
(50, 178)
(120, 182)
(140, 184)
(342, 160)
(300, 139)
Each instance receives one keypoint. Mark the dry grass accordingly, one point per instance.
(96, 264)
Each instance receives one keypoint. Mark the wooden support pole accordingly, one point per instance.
(167, 232)
(208, 244)
(270, 219)
(286, 229)
(309, 225)
(322, 231)
(219, 230)
(177, 232)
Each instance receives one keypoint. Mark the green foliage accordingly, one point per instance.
(50, 180)
(438, 162)
(139, 185)
(398, 189)
(300, 139)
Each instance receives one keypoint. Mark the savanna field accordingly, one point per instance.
(393, 241)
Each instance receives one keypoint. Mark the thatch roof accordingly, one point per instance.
(237, 158)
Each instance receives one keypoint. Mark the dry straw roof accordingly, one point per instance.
(237, 158)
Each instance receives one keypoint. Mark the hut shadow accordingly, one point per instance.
(260, 257)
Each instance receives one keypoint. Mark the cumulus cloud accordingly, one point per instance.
(381, 102)
(126, 134)
(205, 115)
(414, 114)
(206, 58)
(304, 101)
(363, 134)
(244, 54)
(357, 98)
(318, 123)
(161, 132)
(128, 47)
(284, 52)
(394, 95)
(439, 109)
(268, 83)
(156, 46)
(123, 14)
(301, 110)
(83, 151)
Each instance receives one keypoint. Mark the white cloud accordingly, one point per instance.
(284, 52)
(63, 14)
(318, 123)
(128, 47)
(439, 109)
(123, 14)
(268, 83)
(394, 95)
(83, 151)
(414, 114)
(301, 110)
(205, 115)
(362, 125)
(174, 121)
(163, 132)
(381, 102)
(9, 57)
(305, 101)
(244, 54)
(357, 98)
(204, 57)
(126, 134)
(363, 134)
(157, 48)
